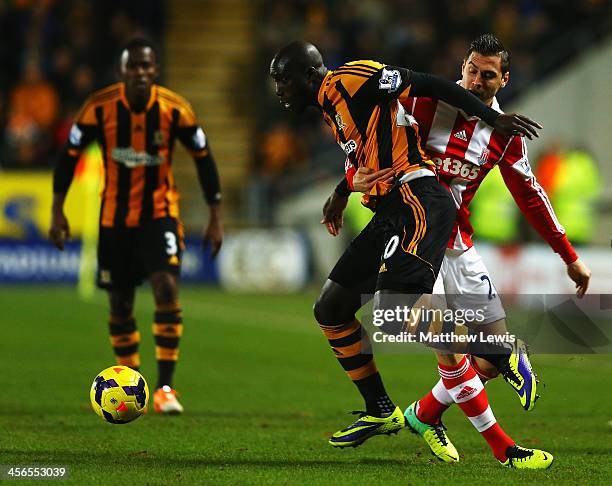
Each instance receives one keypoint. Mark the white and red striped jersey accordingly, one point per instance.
(465, 149)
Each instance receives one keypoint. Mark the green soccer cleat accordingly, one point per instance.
(519, 374)
(368, 426)
(521, 458)
(434, 435)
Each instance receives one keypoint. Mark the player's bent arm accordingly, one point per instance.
(535, 205)
(431, 86)
(533, 202)
(344, 189)
(428, 85)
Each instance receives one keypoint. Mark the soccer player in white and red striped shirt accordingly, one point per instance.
(465, 149)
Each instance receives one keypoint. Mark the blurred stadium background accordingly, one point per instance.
(277, 170)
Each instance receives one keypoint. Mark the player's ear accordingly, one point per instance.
(119, 70)
(505, 79)
(311, 75)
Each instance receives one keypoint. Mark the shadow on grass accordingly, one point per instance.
(148, 460)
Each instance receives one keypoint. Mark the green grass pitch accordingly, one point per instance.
(262, 393)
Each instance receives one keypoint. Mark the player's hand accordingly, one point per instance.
(332, 213)
(59, 231)
(515, 124)
(213, 236)
(581, 275)
(366, 178)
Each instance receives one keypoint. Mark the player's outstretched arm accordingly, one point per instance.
(533, 202)
(515, 124)
(581, 275)
(428, 85)
(362, 180)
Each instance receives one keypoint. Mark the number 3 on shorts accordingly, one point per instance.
(171, 247)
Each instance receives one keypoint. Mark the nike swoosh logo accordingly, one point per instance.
(362, 427)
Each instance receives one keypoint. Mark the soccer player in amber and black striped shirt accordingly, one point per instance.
(399, 253)
(136, 124)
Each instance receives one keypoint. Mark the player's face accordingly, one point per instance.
(292, 90)
(138, 69)
(482, 76)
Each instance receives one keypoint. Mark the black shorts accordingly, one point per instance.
(402, 247)
(126, 256)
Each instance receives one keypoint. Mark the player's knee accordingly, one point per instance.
(324, 313)
(121, 303)
(448, 359)
(164, 288)
(335, 305)
(486, 368)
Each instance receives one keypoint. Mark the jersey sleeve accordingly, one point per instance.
(373, 82)
(430, 86)
(82, 132)
(532, 200)
(192, 136)
(190, 132)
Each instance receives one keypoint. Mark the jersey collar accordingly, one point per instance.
(152, 97)
(324, 86)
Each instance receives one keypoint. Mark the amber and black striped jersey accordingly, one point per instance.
(137, 151)
(360, 104)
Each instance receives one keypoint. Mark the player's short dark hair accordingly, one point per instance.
(489, 45)
(138, 42)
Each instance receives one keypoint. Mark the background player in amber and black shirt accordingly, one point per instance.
(398, 255)
(136, 124)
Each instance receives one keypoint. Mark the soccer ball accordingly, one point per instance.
(119, 394)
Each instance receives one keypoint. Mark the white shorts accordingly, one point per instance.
(464, 283)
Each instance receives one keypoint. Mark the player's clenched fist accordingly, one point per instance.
(59, 231)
